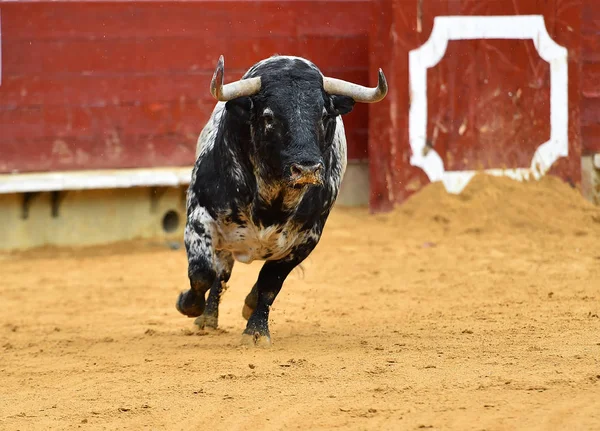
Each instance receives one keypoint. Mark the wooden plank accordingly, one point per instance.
(95, 179)
(590, 14)
(590, 86)
(590, 70)
(326, 18)
(107, 151)
(149, 20)
(165, 117)
(104, 90)
(357, 140)
(380, 132)
(173, 55)
(591, 47)
(591, 138)
(352, 53)
(590, 111)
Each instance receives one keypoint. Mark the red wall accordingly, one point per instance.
(590, 106)
(88, 85)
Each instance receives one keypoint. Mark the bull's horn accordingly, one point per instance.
(357, 92)
(224, 93)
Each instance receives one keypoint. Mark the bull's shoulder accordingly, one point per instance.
(217, 188)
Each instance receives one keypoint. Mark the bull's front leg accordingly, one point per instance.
(224, 265)
(201, 263)
(259, 301)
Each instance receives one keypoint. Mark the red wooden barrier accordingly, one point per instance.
(488, 100)
(590, 106)
(91, 85)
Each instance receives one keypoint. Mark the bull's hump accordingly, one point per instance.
(280, 62)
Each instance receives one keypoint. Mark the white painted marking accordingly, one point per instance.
(98, 179)
(446, 28)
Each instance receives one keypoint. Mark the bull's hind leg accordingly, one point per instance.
(201, 263)
(224, 265)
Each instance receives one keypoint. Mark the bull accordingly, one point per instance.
(269, 164)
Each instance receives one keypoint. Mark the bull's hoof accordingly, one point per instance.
(256, 340)
(190, 303)
(207, 322)
(247, 311)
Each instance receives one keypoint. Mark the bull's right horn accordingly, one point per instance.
(357, 92)
(241, 88)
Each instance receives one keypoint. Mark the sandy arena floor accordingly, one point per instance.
(467, 313)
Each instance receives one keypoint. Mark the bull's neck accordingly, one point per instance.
(277, 193)
(233, 158)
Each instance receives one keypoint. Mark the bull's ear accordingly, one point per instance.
(240, 107)
(342, 104)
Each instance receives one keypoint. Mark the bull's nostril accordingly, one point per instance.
(296, 170)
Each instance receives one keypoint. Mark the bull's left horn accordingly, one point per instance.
(224, 93)
(357, 92)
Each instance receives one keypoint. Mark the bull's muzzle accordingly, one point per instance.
(306, 174)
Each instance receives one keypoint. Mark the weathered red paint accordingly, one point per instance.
(590, 106)
(488, 100)
(90, 85)
(125, 84)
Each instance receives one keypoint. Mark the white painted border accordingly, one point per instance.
(97, 179)
(446, 28)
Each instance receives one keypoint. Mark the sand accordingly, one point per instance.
(471, 312)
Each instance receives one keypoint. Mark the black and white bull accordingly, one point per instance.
(269, 165)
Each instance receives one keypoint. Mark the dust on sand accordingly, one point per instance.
(478, 311)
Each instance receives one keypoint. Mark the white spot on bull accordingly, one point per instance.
(278, 58)
(268, 117)
(206, 140)
(200, 245)
(340, 152)
(251, 242)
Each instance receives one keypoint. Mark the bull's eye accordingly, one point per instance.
(268, 121)
(268, 118)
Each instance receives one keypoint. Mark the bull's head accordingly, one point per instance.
(290, 109)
